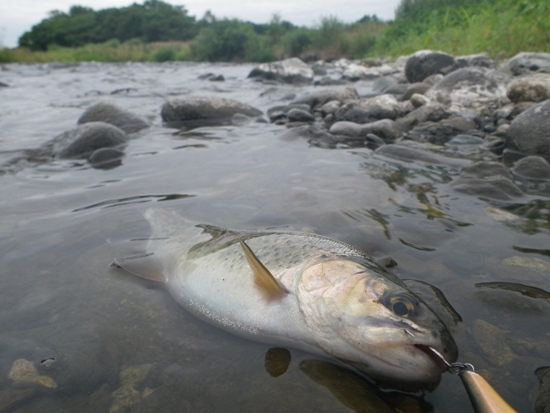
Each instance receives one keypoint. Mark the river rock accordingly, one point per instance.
(529, 62)
(427, 62)
(534, 88)
(321, 97)
(436, 133)
(291, 70)
(204, 109)
(109, 113)
(81, 142)
(416, 88)
(368, 110)
(408, 153)
(529, 132)
(487, 180)
(492, 342)
(384, 128)
(480, 59)
(355, 72)
(469, 87)
(299, 115)
(532, 167)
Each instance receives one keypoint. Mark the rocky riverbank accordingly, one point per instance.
(429, 107)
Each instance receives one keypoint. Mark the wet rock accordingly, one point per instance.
(492, 342)
(480, 59)
(469, 87)
(432, 112)
(542, 404)
(419, 100)
(534, 88)
(291, 70)
(300, 115)
(462, 140)
(368, 110)
(321, 97)
(532, 167)
(11, 397)
(23, 372)
(277, 361)
(487, 180)
(108, 113)
(384, 129)
(416, 88)
(81, 142)
(409, 154)
(126, 395)
(427, 62)
(529, 62)
(204, 109)
(529, 132)
(330, 108)
(212, 77)
(106, 158)
(355, 72)
(436, 133)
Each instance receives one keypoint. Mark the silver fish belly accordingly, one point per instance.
(298, 290)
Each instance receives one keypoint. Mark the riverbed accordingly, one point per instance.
(115, 343)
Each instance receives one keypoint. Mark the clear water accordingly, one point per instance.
(85, 324)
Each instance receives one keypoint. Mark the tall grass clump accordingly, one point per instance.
(501, 28)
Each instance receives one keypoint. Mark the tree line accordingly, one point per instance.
(212, 39)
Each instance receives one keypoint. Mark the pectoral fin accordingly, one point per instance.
(264, 280)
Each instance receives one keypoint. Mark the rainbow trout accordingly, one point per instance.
(298, 290)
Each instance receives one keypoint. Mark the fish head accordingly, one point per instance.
(367, 318)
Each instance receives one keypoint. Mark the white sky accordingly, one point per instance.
(18, 16)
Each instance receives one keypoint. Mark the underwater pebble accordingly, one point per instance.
(492, 342)
(23, 372)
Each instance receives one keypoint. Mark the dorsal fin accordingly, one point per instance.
(264, 280)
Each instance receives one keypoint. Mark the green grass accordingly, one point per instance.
(111, 51)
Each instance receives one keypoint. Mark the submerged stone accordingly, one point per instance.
(112, 114)
(81, 142)
(488, 180)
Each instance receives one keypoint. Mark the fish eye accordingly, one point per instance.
(401, 304)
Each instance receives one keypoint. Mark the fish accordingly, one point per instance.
(298, 290)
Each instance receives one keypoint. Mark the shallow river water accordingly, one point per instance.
(115, 343)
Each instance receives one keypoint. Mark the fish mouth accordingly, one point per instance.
(434, 355)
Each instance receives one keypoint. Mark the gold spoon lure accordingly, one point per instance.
(483, 397)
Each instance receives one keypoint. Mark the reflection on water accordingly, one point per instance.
(114, 343)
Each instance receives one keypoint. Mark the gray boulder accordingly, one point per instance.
(198, 110)
(83, 141)
(480, 59)
(109, 113)
(534, 88)
(532, 167)
(425, 63)
(529, 62)
(291, 70)
(369, 110)
(529, 132)
(470, 87)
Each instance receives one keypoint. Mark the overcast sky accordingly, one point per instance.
(18, 16)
